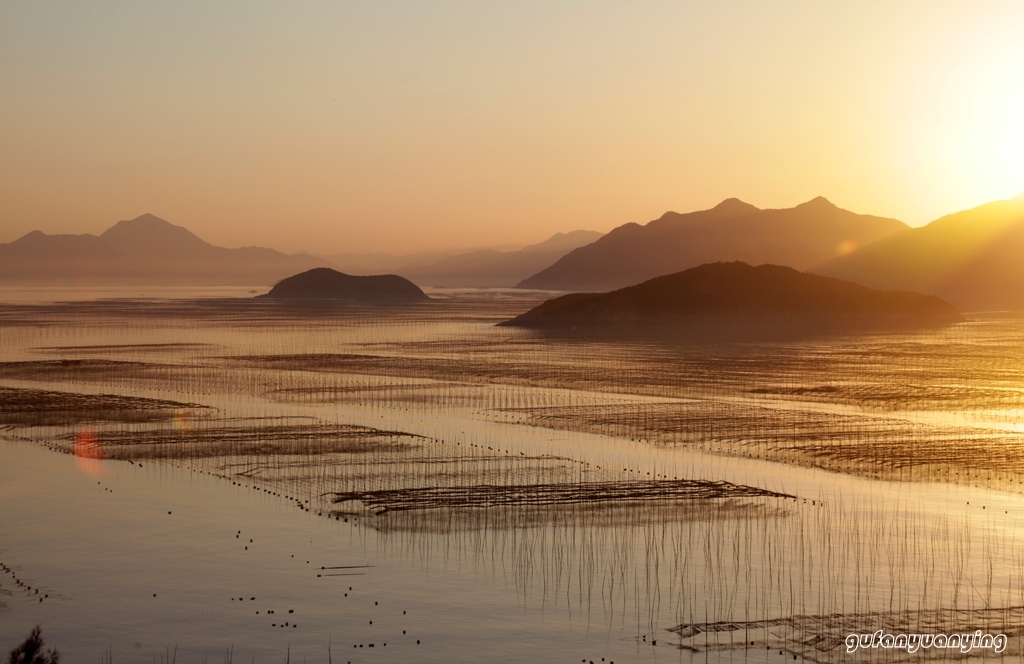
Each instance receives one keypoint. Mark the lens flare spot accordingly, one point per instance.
(179, 421)
(846, 247)
(88, 451)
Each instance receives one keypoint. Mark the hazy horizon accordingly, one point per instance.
(438, 251)
(240, 242)
(404, 128)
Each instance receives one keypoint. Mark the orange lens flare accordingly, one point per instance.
(846, 247)
(88, 451)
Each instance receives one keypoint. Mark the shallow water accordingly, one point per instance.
(141, 559)
(444, 399)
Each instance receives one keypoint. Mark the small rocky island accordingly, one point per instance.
(739, 299)
(323, 284)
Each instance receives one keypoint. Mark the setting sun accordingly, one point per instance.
(979, 125)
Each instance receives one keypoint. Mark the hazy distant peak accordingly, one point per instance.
(146, 249)
(819, 203)
(727, 210)
(734, 206)
(38, 238)
(148, 228)
(564, 241)
(574, 233)
(143, 221)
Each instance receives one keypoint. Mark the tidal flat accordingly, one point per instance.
(240, 479)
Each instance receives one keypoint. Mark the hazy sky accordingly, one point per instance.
(391, 126)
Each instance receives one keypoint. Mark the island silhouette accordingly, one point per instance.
(736, 297)
(323, 284)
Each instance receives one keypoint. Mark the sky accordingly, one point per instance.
(339, 127)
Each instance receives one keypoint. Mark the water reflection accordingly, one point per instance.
(432, 438)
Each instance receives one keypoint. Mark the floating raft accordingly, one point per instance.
(493, 495)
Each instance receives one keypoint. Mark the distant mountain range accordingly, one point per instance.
(802, 237)
(146, 249)
(971, 258)
(737, 298)
(149, 250)
(974, 258)
(488, 268)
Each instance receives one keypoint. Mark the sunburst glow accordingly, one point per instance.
(975, 134)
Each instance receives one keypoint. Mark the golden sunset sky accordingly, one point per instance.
(401, 127)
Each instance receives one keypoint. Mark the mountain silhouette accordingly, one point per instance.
(146, 249)
(972, 258)
(737, 297)
(323, 283)
(146, 229)
(801, 237)
(488, 268)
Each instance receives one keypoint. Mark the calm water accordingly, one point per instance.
(897, 458)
